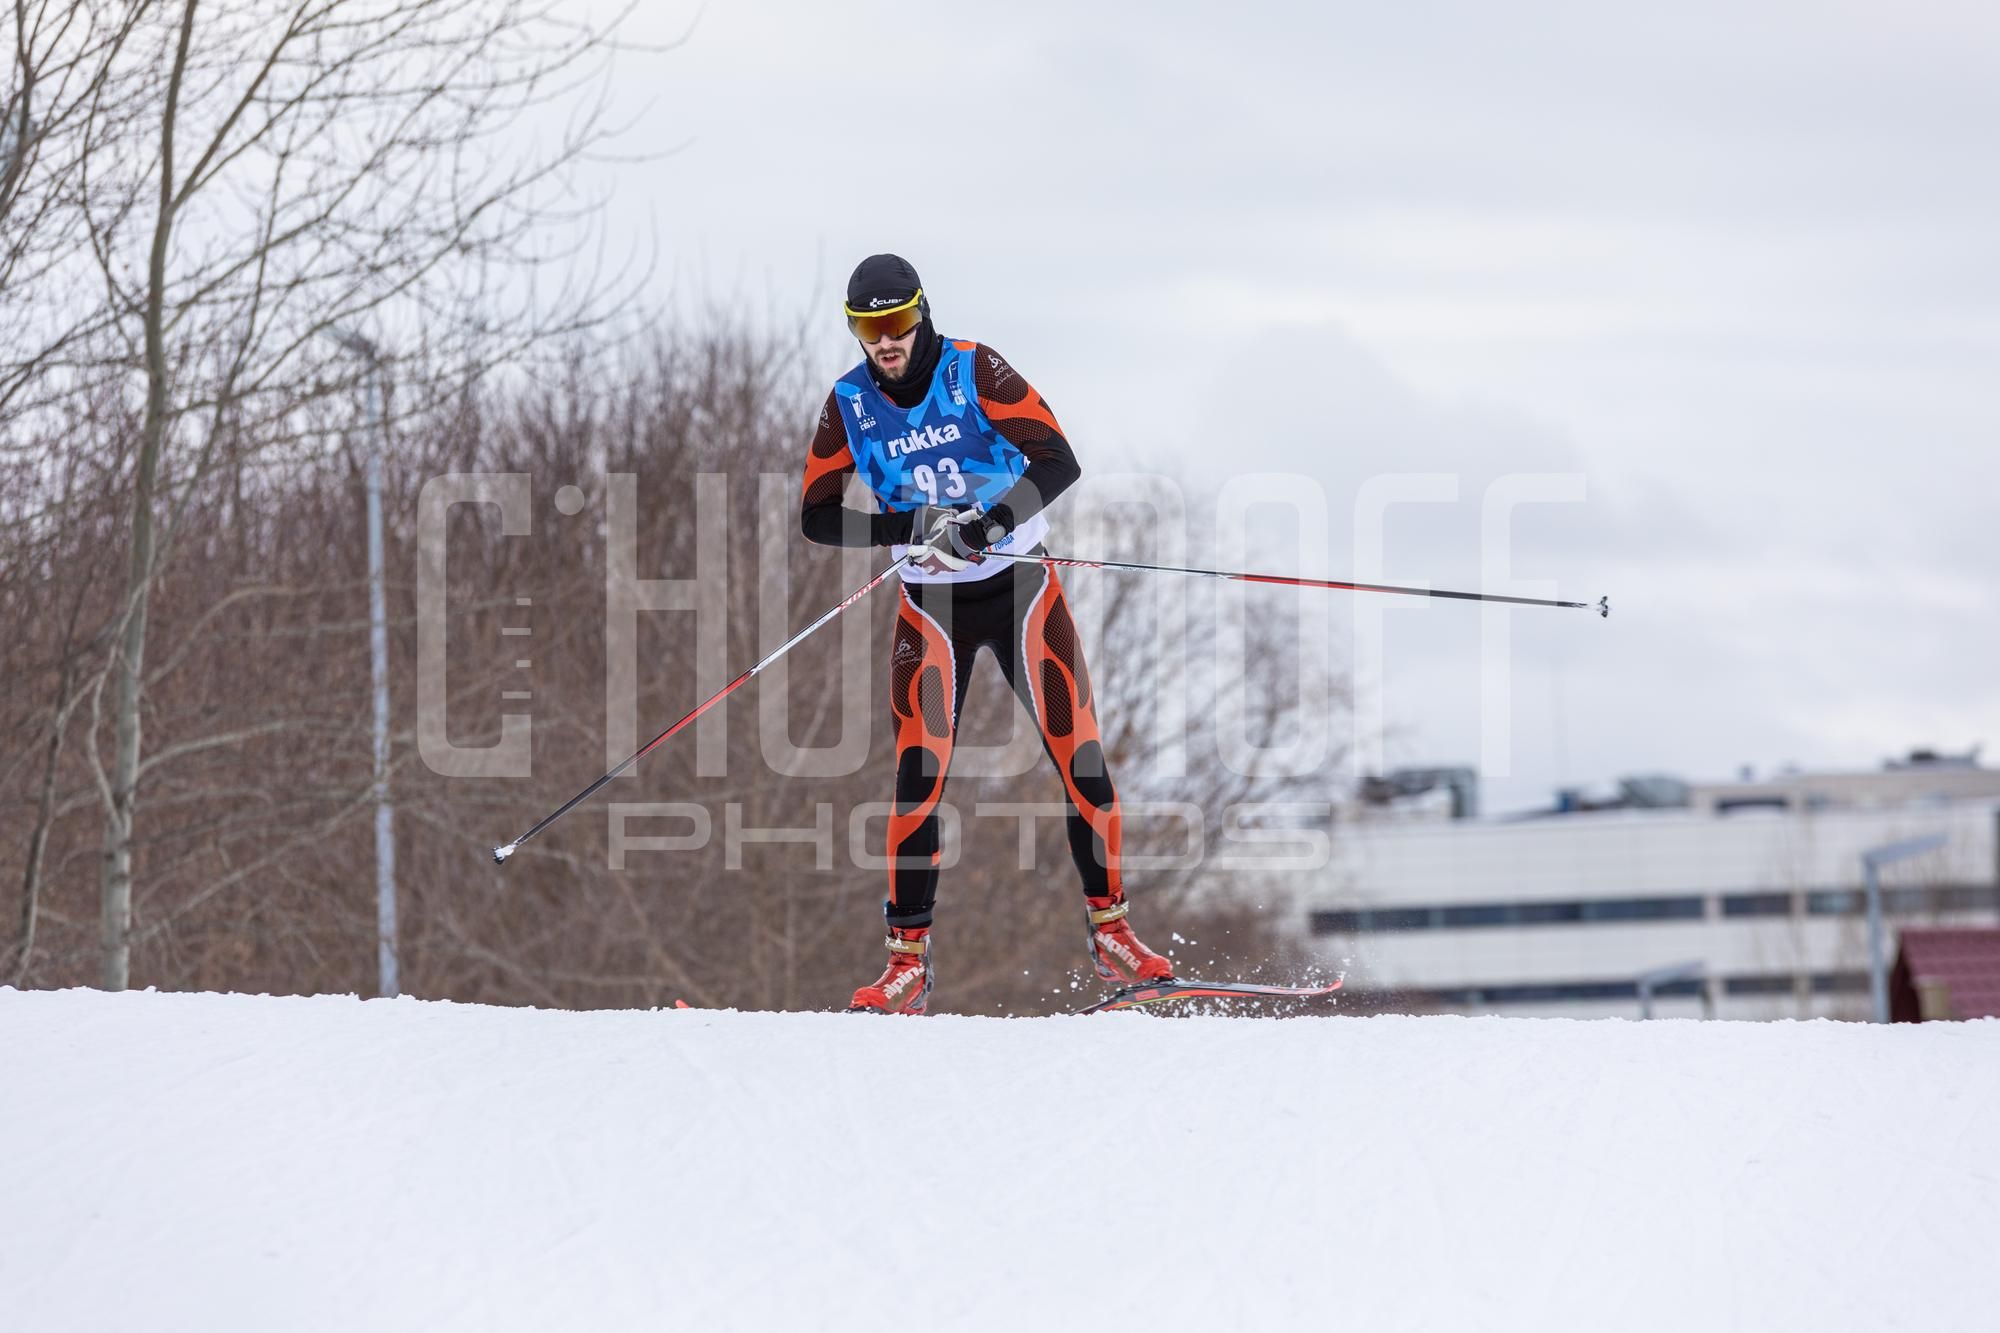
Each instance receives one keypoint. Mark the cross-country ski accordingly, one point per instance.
(1168, 992)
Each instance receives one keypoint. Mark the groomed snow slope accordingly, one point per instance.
(226, 1162)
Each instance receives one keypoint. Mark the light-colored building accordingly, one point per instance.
(1759, 885)
(1926, 777)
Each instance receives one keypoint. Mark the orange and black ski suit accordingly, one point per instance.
(1018, 613)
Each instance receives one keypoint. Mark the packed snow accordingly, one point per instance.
(220, 1162)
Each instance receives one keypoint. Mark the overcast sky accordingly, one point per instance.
(1735, 264)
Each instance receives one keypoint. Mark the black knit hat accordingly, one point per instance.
(882, 281)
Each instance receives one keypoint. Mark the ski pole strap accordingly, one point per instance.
(1105, 915)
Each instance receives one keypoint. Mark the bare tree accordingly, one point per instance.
(52, 592)
(308, 166)
(70, 81)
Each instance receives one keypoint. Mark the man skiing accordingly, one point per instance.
(961, 456)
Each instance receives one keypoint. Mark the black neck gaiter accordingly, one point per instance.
(908, 391)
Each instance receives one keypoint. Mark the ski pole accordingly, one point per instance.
(1602, 605)
(500, 854)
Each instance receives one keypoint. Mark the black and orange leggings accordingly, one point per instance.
(1020, 615)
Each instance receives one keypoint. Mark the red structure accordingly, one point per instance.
(1945, 974)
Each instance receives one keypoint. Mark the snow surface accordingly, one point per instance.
(221, 1162)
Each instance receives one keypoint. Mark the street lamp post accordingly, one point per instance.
(1872, 862)
(378, 641)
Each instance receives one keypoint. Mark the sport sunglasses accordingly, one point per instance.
(874, 325)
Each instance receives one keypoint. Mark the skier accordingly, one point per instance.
(962, 456)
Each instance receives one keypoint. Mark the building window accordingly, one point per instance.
(1371, 920)
(1923, 900)
(1779, 983)
(1927, 900)
(1547, 992)
(1757, 904)
(1583, 992)
(1552, 992)
(1475, 916)
(1643, 909)
(1941, 898)
(1544, 914)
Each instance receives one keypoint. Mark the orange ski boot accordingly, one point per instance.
(905, 988)
(1118, 953)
